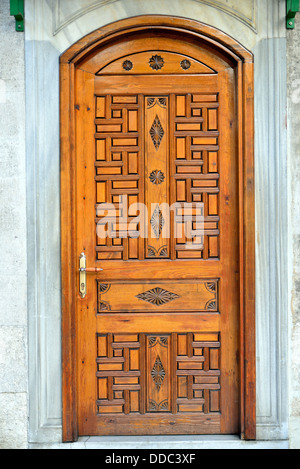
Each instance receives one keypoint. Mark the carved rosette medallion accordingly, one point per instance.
(157, 177)
(156, 62)
(127, 65)
(185, 64)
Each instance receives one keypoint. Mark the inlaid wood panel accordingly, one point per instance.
(195, 169)
(198, 372)
(139, 159)
(118, 373)
(118, 165)
(150, 373)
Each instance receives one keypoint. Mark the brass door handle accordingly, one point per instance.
(90, 270)
(83, 270)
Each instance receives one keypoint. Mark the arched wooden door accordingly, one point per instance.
(154, 113)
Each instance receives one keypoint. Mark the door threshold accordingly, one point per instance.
(178, 442)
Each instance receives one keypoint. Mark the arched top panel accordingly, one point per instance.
(158, 61)
(158, 29)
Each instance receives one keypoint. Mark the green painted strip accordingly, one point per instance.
(292, 7)
(17, 10)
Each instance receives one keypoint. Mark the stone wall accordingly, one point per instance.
(13, 281)
(293, 125)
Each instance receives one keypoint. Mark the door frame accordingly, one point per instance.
(225, 45)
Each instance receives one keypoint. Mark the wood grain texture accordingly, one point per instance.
(165, 370)
(67, 171)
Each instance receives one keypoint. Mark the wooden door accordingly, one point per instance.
(158, 331)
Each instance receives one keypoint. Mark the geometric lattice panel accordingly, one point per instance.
(197, 170)
(198, 372)
(135, 373)
(122, 170)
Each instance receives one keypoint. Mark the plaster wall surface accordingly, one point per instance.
(13, 275)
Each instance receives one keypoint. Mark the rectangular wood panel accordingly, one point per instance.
(158, 322)
(164, 296)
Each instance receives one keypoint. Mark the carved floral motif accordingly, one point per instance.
(185, 64)
(157, 296)
(127, 65)
(161, 252)
(156, 62)
(157, 177)
(154, 406)
(162, 340)
(151, 102)
(158, 373)
(157, 221)
(157, 132)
